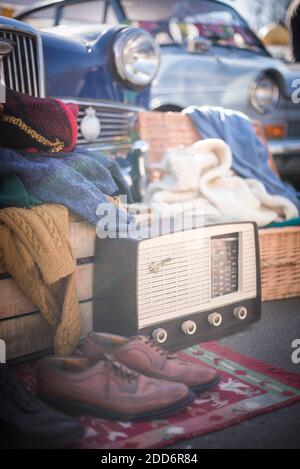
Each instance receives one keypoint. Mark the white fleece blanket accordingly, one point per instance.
(201, 176)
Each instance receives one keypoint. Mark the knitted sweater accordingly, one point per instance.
(79, 180)
(250, 155)
(35, 250)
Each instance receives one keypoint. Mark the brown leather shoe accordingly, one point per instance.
(145, 356)
(107, 390)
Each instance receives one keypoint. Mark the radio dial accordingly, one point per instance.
(189, 327)
(160, 335)
(215, 319)
(240, 313)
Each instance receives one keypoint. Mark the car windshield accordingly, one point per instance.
(172, 21)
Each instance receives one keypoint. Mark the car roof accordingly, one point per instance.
(40, 5)
(119, 11)
(35, 7)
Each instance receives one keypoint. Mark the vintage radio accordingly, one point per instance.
(179, 288)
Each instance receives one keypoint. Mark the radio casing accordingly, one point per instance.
(144, 285)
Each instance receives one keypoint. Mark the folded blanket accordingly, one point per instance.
(200, 176)
(250, 155)
(35, 250)
(77, 180)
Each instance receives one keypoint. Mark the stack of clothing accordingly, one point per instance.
(80, 180)
(43, 178)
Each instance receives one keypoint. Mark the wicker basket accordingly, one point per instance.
(280, 263)
(280, 247)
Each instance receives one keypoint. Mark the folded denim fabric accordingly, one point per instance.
(250, 156)
(77, 180)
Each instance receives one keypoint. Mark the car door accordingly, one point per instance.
(190, 79)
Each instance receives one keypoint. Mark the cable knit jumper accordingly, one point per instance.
(35, 250)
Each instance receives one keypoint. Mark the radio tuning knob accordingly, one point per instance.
(240, 313)
(160, 335)
(215, 319)
(189, 327)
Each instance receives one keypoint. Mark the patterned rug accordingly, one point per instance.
(248, 388)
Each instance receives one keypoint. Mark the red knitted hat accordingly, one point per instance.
(37, 124)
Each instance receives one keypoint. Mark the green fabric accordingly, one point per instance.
(293, 222)
(14, 194)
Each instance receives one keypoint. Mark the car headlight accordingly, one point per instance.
(137, 56)
(265, 94)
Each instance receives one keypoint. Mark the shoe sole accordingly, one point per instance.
(205, 387)
(77, 408)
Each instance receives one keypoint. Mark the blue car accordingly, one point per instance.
(209, 57)
(107, 72)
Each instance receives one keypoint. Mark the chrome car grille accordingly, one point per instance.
(117, 123)
(22, 69)
(293, 129)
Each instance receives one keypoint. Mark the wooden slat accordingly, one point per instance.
(13, 302)
(82, 239)
(29, 334)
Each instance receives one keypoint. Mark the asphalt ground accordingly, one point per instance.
(269, 340)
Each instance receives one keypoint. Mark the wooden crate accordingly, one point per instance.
(280, 247)
(21, 325)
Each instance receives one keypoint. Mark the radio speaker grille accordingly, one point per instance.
(174, 273)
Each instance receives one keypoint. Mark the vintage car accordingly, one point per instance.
(95, 69)
(209, 57)
(106, 71)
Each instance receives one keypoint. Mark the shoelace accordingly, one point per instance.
(155, 346)
(14, 392)
(120, 370)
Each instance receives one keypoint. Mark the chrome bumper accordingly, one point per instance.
(284, 147)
